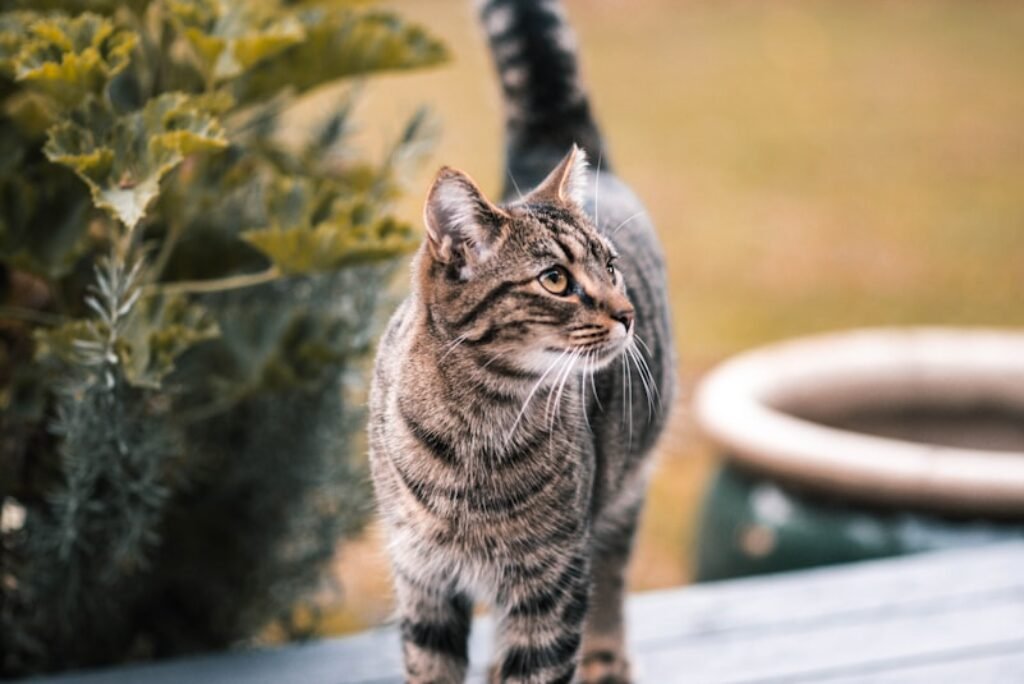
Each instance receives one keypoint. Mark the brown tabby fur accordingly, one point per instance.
(511, 425)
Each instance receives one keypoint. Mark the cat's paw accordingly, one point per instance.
(604, 667)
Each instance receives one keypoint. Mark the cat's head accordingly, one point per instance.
(531, 282)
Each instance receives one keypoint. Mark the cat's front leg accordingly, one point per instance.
(542, 610)
(434, 625)
(604, 656)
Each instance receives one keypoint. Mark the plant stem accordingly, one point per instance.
(170, 240)
(235, 282)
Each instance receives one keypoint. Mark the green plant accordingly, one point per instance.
(184, 302)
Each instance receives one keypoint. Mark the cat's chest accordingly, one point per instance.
(501, 523)
(499, 501)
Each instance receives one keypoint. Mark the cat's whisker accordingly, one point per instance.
(453, 345)
(583, 389)
(643, 344)
(634, 356)
(654, 385)
(549, 406)
(629, 394)
(643, 383)
(622, 363)
(623, 224)
(516, 186)
(583, 397)
(563, 380)
(647, 367)
(533, 391)
(554, 409)
(580, 354)
(593, 384)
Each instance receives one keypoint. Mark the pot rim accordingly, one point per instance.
(737, 406)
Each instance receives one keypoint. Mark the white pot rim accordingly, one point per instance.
(735, 405)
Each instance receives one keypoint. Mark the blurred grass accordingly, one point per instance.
(811, 165)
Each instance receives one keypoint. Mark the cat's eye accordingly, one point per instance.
(610, 267)
(555, 280)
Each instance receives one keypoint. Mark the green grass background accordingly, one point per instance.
(810, 165)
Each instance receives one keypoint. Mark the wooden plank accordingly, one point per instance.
(996, 667)
(805, 596)
(812, 625)
(811, 651)
(960, 612)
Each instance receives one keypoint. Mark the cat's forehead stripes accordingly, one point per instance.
(577, 243)
(572, 239)
(566, 250)
(581, 246)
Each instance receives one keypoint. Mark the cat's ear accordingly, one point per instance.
(568, 182)
(463, 226)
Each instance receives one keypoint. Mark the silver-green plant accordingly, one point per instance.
(184, 301)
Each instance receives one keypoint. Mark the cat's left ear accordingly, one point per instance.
(568, 182)
(463, 226)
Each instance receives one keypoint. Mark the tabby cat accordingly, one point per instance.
(519, 390)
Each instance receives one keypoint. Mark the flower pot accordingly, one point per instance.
(862, 444)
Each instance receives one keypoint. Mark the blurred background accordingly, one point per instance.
(810, 166)
(202, 202)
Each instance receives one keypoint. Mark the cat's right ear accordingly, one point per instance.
(463, 227)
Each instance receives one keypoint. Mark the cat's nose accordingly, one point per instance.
(625, 317)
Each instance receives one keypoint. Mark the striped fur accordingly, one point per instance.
(510, 425)
(546, 106)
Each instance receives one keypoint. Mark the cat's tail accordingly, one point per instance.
(546, 106)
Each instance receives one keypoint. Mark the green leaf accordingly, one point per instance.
(122, 159)
(340, 43)
(13, 34)
(230, 37)
(351, 235)
(162, 330)
(158, 331)
(63, 343)
(69, 58)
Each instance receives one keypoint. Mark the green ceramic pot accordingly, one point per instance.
(863, 444)
(751, 524)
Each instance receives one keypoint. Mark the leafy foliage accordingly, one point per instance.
(71, 57)
(340, 44)
(185, 302)
(123, 158)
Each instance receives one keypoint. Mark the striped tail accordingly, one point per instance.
(547, 109)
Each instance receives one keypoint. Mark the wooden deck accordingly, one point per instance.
(955, 616)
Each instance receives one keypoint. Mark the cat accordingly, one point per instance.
(520, 388)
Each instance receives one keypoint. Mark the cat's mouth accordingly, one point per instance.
(578, 356)
(600, 354)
